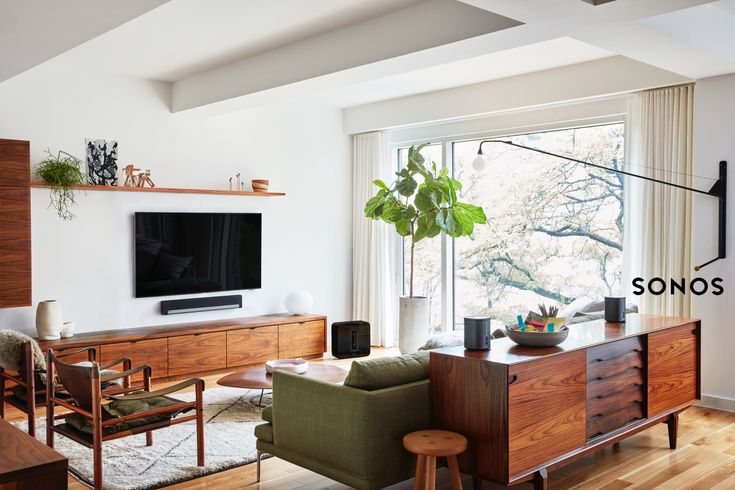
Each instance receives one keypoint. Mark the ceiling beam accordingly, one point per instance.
(32, 32)
(337, 56)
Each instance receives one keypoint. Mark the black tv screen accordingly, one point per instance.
(185, 253)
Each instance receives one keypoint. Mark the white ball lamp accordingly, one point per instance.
(299, 302)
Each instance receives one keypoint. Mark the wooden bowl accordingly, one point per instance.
(259, 185)
(537, 339)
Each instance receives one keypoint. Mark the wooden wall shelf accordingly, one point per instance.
(171, 190)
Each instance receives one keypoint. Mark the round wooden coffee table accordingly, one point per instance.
(255, 377)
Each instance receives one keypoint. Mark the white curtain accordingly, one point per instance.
(658, 218)
(374, 298)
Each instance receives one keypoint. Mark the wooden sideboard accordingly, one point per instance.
(15, 224)
(28, 464)
(194, 348)
(527, 411)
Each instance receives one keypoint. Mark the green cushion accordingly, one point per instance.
(267, 414)
(384, 372)
(120, 408)
(264, 432)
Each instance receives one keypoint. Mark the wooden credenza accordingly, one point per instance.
(195, 348)
(28, 464)
(527, 411)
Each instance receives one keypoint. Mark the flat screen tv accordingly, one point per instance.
(185, 253)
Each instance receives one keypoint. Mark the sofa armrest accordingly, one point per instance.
(352, 430)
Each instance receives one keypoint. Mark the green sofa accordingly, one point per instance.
(351, 433)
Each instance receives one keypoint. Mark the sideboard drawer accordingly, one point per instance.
(252, 345)
(615, 385)
(151, 352)
(301, 339)
(197, 353)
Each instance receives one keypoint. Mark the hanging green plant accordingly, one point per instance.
(63, 172)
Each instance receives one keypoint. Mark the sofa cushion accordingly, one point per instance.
(384, 372)
(267, 414)
(264, 432)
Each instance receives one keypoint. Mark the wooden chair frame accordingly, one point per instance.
(27, 379)
(95, 415)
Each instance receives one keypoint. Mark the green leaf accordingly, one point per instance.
(427, 226)
(380, 184)
(406, 187)
(424, 199)
(403, 227)
(475, 213)
(464, 222)
(445, 220)
(374, 206)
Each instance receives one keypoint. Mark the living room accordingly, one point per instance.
(499, 223)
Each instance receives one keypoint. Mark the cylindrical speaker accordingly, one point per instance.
(615, 309)
(477, 332)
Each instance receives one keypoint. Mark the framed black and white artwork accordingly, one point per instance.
(102, 162)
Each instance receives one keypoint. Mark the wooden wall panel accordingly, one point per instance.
(15, 224)
(672, 368)
(546, 409)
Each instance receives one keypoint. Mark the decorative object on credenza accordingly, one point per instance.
(350, 339)
(237, 177)
(421, 211)
(477, 332)
(615, 309)
(62, 172)
(67, 330)
(230, 185)
(49, 320)
(298, 366)
(539, 329)
(259, 185)
(102, 162)
(299, 302)
(137, 177)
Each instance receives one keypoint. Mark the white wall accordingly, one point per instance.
(87, 264)
(714, 130)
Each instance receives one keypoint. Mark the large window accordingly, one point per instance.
(554, 229)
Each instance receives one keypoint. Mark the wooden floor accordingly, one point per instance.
(704, 460)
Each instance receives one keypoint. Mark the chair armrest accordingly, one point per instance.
(161, 392)
(85, 349)
(354, 430)
(125, 361)
(123, 374)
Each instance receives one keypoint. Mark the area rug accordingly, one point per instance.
(230, 416)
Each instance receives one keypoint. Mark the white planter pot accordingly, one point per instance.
(49, 320)
(414, 323)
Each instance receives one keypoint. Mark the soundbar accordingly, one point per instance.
(208, 303)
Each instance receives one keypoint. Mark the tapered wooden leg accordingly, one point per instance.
(2, 393)
(541, 480)
(30, 390)
(97, 449)
(200, 425)
(476, 482)
(454, 472)
(430, 473)
(419, 481)
(149, 438)
(258, 455)
(50, 392)
(673, 426)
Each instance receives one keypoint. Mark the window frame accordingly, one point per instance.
(448, 259)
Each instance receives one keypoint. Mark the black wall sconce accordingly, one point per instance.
(718, 190)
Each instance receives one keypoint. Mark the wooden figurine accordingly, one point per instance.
(131, 180)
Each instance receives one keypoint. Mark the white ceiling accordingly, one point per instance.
(502, 64)
(184, 37)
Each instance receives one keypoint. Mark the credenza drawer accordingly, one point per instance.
(615, 385)
(252, 345)
(151, 352)
(197, 353)
(301, 339)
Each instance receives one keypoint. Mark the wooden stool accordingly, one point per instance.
(430, 444)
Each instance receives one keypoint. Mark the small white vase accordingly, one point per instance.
(49, 320)
(67, 330)
(414, 323)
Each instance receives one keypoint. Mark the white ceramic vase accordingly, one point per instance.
(49, 320)
(67, 330)
(299, 302)
(414, 323)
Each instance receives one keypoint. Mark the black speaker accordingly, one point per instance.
(477, 332)
(615, 309)
(207, 303)
(350, 339)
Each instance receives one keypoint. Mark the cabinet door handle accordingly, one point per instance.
(694, 331)
(513, 379)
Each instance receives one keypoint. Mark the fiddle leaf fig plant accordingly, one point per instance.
(425, 209)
